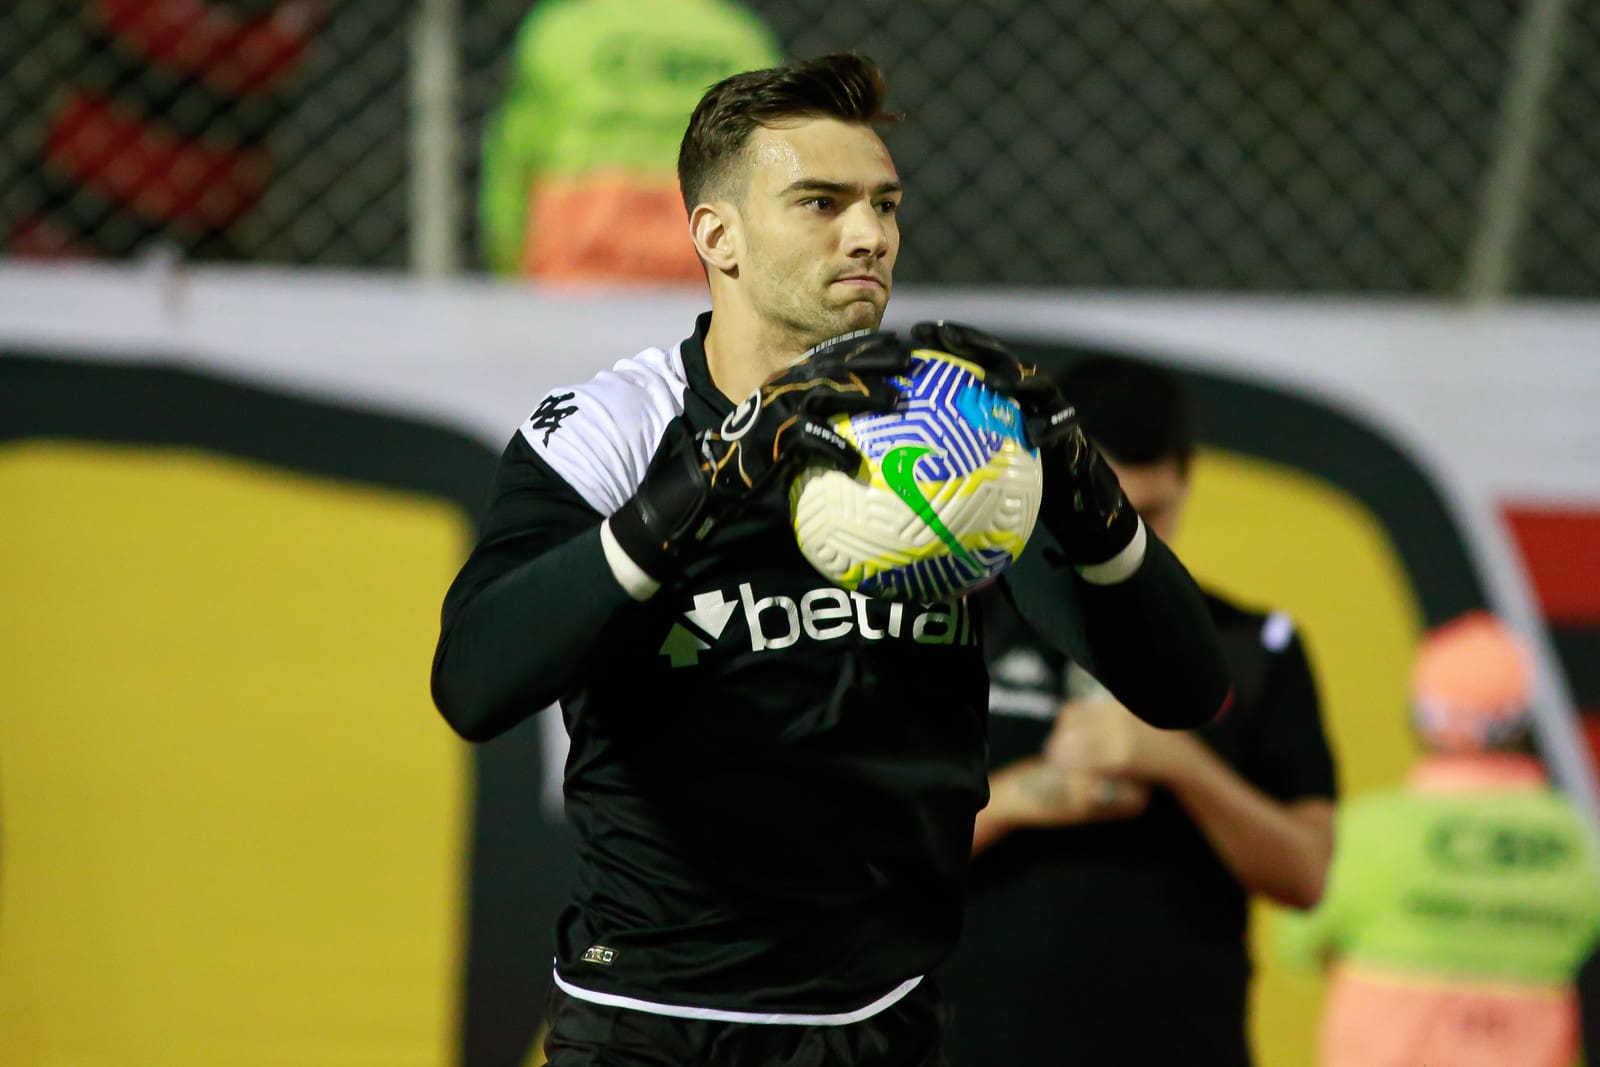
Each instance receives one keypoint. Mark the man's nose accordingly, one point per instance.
(865, 235)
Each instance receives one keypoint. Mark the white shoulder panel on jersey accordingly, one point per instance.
(1276, 631)
(599, 436)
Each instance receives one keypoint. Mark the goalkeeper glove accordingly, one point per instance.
(697, 480)
(1084, 507)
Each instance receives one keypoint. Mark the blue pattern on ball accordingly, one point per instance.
(932, 579)
(944, 407)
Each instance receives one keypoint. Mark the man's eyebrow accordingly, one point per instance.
(822, 185)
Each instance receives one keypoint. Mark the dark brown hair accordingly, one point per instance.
(1138, 412)
(844, 86)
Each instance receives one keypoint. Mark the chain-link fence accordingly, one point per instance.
(1223, 144)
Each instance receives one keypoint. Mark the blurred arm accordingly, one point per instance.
(1309, 941)
(1272, 821)
(1276, 837)
(1281, 851)
(1147, 636)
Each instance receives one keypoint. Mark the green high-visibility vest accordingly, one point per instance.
(1491, 885)
(605, 85)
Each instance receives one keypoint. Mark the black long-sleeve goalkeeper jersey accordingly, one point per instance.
(773, 780)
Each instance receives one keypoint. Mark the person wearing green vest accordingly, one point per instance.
(1461, 905)
(579, 161)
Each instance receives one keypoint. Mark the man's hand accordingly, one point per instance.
(695, 481)
(784, 421)
(1101, 737)
(1035, 793)
(1084, 507)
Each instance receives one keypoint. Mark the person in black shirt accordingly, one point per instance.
(1108, 906)
(773, 781)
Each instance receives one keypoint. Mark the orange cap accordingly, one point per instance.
(1471, 684)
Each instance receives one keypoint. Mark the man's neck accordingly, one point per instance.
(742, 352)
(1440, 772)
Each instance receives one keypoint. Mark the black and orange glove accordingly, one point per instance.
(696, 480)
(1084, 507)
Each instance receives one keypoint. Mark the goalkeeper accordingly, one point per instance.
(774, 827)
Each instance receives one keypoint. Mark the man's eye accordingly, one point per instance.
(821, 203)
(888, 207)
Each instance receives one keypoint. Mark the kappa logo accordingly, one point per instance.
(825, 614)
(548, 415)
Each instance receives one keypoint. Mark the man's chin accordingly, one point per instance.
(863, 314)
(844, 318)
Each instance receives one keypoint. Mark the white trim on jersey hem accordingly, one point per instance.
(720, 1015)
(634, 581)
(1121, 566)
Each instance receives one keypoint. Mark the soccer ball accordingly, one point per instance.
(945, 501)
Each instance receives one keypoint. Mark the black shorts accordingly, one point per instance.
(905, 1034)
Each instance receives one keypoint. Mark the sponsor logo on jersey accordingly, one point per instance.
(1024, 668)
(773, 623)
(1022, 684)
(742, 418)
(599, 954)
(548, 415)
(1475, 844)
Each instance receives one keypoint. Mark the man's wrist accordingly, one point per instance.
(1086, 512)
(1178, 758)
(1006, 802)
(635, 580)
(1121, 566)
(668, 511)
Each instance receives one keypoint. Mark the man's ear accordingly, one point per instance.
(716, 234)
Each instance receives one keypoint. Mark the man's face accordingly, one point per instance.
(1157, 492)
(820, 233)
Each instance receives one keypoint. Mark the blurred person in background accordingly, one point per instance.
(162, 136)
(1107, 915)
(1461, 904)
(580, 160)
